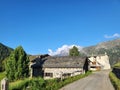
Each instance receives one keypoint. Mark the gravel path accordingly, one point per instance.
(96, 81)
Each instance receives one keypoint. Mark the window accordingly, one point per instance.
(93, 66)
(66, 74)
(48, 74)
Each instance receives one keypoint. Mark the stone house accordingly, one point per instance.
(58, 67)
(99, 62)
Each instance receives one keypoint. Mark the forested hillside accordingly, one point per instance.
(4, 52)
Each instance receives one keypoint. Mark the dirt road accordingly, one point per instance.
(96, 81)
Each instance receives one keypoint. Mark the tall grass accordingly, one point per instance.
(115, 81)
(57, 84)
(28, 83)
(117, 65)
(41, 84)
(2, 75)
(19, 85)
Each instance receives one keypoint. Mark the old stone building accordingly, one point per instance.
(58, 67)
(99, 62)
(61, 67)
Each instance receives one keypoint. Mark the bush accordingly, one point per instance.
(36, 84)
(115, 81)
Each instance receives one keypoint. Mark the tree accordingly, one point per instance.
(74, 51)
(17, 65)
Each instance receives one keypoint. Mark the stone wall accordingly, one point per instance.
(62, 72)
(104, 61)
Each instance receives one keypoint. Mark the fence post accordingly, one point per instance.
(4, 84)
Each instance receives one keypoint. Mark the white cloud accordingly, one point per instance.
(116, 35)
(63, 51)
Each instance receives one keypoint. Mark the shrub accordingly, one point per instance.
(36, 84)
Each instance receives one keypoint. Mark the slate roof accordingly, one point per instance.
(60, 62)
(34, 57)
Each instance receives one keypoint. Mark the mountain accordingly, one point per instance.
(4, 52)
(111, 47)
(106, 45)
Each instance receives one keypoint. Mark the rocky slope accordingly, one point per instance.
(111, 47)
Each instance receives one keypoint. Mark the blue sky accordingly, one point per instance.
(39, 25)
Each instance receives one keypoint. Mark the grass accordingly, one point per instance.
(2, 75)
(117, 65)
(18, 85)
(28, 84)
(40, 83)
(68, 80)
(72, 79)
(115, 81)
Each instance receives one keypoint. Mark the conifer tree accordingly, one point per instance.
(17, 65)
(74, 51)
